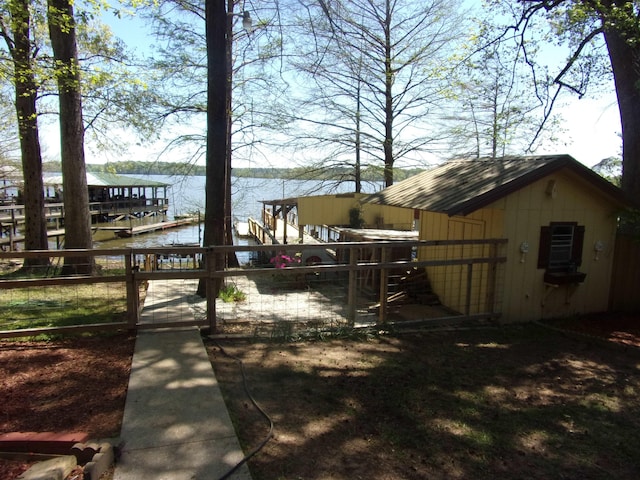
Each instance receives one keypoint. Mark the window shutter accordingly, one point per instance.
(576, 248)
(544, 247)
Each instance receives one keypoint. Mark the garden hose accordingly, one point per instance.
(255, 404)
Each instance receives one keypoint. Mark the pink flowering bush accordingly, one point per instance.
(282, 260)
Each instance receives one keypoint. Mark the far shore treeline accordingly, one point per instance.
(129, 167)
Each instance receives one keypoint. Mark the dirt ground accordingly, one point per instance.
(72, 385)
(491, 403)
(506, 402)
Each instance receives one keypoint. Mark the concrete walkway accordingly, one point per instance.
(176, 425)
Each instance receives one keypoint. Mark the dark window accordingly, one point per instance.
(561, 246)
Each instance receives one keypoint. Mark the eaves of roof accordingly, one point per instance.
(111, 180)
(462, 187)
(291, 201)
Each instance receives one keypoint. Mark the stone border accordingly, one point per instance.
(59, 454)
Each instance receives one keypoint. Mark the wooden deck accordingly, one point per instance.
(122, 232)
(12, 218)
(282, 235)
(13, 215)
(13, 239)
(152, 227)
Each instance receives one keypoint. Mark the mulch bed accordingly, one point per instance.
(80, 384)
(69, 385)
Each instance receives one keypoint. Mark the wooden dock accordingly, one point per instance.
(284, 233)
(242, 229)
(13, 239)
(123, 232)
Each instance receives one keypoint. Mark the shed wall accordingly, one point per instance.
(449, 282)
(327, 209)
(334, 210)
(387, 217)
(523, 294)
(526, 296)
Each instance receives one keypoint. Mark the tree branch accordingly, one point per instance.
(571, 61)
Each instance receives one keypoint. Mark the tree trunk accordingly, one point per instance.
(358, 171)
(74, 176)
(625, 62)
(231, 259)
(388, 108)
(26, 89)
(215, 186)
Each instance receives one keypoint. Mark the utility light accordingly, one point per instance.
(247, 24)
(246, 21)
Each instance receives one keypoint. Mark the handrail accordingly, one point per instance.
(209, 269)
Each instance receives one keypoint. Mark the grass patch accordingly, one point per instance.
(59, 306)
(14, 270)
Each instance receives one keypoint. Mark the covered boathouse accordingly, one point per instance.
(116, 197)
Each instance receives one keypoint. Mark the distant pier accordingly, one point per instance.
(112, 198)
(284, 233)
(152, 227)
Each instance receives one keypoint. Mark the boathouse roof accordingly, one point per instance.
(110, 180)
(10, 173)
(460, 187)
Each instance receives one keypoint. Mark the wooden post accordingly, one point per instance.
(286, 221)
(210, 289)
(467, 307)
(12, 229)
(133, 298)
(351, 296)
(384, 287)
(492, 278)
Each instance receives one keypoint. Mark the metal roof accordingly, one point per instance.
(10, 177)
(291, 201)
(110, 180)
(10, 172)
(461, 187)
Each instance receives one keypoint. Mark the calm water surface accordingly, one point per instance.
(187, 195)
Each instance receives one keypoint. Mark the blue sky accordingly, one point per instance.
(593, 129)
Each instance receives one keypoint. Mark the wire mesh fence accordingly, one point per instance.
(281, 290)
(363, 285)
(278, 305)
(43, 292)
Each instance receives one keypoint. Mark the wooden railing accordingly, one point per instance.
(127, 205)
(206, 265)
(14, 214)
(323, 233)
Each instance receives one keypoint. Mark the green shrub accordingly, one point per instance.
(355, 218)
(231, 293)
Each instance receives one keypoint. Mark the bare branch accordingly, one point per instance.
(571, 61)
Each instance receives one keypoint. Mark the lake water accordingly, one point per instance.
(187, 195)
